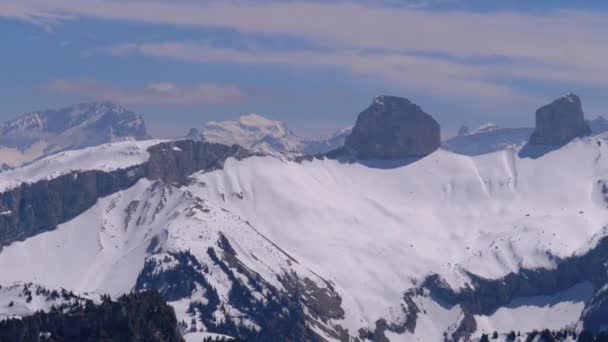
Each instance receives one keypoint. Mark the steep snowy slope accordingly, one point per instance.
(379, 229)
(141, 237)
(41, 133)
(107, 157)
(341, 249)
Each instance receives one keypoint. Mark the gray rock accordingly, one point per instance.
(393, 127)
(38, 207)
(560, 121)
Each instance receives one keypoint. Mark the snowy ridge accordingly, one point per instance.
(25, 299)
(353, 240)
(149, 225)
(107, 157)
(489, 215)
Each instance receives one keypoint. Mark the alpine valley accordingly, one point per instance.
(381, 232)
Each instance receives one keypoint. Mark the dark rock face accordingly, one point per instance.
(560, 121)
(41, 206)
(174, 161)
(393, 127)
(485, 296)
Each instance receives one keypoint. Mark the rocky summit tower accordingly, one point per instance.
(560, 121)
(393, 127)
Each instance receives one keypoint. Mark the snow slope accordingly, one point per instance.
(105, 157)
(104, 249)
(378, 229)
(370, 230)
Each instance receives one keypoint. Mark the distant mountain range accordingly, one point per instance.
(37, 134)
(490, 138)
(258, 133)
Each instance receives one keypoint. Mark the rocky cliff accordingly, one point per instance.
(32, 208)
(393, 127)
(560, 121)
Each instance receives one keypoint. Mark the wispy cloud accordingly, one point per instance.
(441, 52)
(434, 75)
(153, 93)
(559, 36)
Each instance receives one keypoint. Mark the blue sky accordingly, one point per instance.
(315, 65)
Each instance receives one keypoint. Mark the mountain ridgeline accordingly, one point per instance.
(352, 244)
(32, 208)
(41, 133)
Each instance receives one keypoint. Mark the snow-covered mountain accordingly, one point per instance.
(490, 137)
(258, 133)
(42, 133)
(448, 246)
(486, 139)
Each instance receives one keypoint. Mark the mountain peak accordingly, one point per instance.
(393, 127)
(560, 121)
(391, 100)
(256, 120)
(77, 126)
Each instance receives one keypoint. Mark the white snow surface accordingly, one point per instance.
(259, 133)
(376, 229)
(107, 157)
(255, 132)
(556, 312)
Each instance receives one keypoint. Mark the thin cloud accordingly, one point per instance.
(432, 75)
(563, 37)
(561, 46)
(153, 93)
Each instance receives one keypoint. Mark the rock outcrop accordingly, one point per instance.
(560, 121)
(393, 127)
(33, 208)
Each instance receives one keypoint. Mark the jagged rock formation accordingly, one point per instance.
(41, 133)
(560, 121)
(393, 127)
(41, 206)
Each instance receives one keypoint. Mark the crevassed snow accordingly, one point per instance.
(375, 230)
(107, 157)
